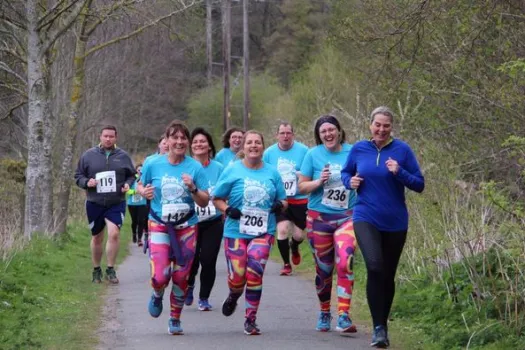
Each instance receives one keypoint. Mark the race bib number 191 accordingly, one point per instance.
(106, 182)
(253, 222)
(204, 213)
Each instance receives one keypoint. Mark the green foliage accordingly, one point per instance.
(47, 299)
(13, 170)
(205, 108)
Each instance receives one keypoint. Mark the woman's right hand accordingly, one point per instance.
(355, 181)
(325, 175)
(147, 192)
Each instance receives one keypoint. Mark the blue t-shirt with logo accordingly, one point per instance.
(172, 199)
(253, 192)
(225, 156)
(332, 197)
(287, 163)
(213, 171)
(135, 198)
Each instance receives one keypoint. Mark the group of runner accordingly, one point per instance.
(340, 195)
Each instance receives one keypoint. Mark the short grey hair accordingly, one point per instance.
(382, 110)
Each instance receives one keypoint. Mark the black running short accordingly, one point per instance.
(296, 213)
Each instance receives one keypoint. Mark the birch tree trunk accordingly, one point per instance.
(70, 139)
(37, 106)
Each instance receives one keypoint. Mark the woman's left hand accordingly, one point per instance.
(188, 181)
(392, 165)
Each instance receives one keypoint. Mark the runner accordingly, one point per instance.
(232, 142)
(210, 225)
(250, 193)
(138, 210)
(329, 225)
(287, 156)
(380, 169)
(106, 172)
(174, 183)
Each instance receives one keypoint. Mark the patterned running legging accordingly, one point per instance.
(332, 240)
(246, 259)
(163, 268)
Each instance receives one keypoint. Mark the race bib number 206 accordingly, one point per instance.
(253, 222)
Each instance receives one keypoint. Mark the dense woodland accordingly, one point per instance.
(452, 70)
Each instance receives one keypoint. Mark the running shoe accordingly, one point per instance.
(229, 305)
(344, 324)
(380, 338)
(204, 305)
(155, 305)
(250, 327)
(323, 323)
(174, 327)
(97, 276)
(134, 238)
(286, 270)
(140, 244)
(111, 276)
(296, 257)
(189, 296)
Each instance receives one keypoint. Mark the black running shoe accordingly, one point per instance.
(229, 305)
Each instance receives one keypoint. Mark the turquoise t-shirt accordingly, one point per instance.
(287, 163)
(332, 197)
(225, 156)
(172, 199)
(135, 198)
(253, 192)
(212, 171)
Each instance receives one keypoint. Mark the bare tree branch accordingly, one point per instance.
(12, 109)
(111, 10)
(19, 90)
(12, 22)
(67, 23)
(55, 13)
(142, 28)
(6, 68)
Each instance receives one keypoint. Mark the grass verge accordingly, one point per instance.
(47, 299)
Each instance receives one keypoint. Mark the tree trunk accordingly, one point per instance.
(37, 105)
(65, 177)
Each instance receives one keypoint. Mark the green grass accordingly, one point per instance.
(47, 299)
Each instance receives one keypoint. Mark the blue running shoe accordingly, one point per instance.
(250, 327)
(174, 327)
(344, 324)
(323, 323)
(380, 338)
(155, 305)
(189, 296)
(204, 305)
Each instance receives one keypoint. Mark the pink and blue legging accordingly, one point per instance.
(163, 268)
(333, 243)
(246, 260)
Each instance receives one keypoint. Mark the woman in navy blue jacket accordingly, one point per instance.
(379, 169)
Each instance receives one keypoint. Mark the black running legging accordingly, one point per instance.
(139, 219)
(208, 245)
(381, 251)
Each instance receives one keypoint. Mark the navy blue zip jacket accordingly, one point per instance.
(381, 194)
(94, 161)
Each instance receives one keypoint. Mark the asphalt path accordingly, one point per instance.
(287, 315)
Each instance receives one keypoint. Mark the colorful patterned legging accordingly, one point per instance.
(163, 268)
(333, 242)
(246, 259)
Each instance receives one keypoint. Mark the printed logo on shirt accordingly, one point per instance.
(172, 189)
(285, 166)
(255, 193)
(335, 175)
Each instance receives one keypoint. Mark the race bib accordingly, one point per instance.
(136, 198)
(106, 182)
(336, 197)
(174, 211)
(204, 213)
(290, 184)
(253, 222)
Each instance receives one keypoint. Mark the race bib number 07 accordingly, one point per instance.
(106, 182)
(290, 184)
(253, 222)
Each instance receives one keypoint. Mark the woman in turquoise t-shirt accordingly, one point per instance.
(250, 193)
(329, 225)
(210, 222)
(174, 183)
